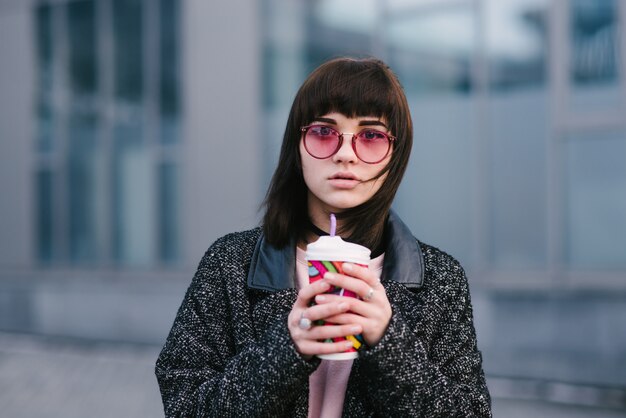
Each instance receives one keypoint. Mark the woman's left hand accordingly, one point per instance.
(372, 311)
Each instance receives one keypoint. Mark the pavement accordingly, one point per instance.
(44, 377)
(48, 378)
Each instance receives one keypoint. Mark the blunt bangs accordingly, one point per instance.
(353, 88)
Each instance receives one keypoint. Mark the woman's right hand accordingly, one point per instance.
(307, 340)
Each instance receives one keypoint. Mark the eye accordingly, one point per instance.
(372, 135)
(321, 130)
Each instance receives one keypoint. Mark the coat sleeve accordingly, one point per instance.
(202, 373)
(427, 363)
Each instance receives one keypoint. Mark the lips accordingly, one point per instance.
(344, 176)
(344, 181)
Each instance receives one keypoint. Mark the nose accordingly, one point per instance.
(346, 152)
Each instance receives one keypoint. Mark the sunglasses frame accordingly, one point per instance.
(390, 140)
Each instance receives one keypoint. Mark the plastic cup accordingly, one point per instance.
(329, 253)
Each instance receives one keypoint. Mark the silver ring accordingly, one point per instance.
(304, 323)
(370, 293)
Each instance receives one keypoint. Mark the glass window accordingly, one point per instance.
(45, 44)
(516, 41)
(85, 187)
(594, 54)
(517, 132)
(330, 33)
(84, 167)
(128, 47)
(44, 36)
(44, 143)
(45, 126)
(517, 179)
(431, 53)
(594, 41)
(82, 46)
(132, 192)
(168, 204)
(169, 100)
(45, 216)
(595, 205)
(410, 6)
(133, 197)
(431, 50)
(102, 206)
(284, 33)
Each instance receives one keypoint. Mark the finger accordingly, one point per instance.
(362, 273)
(354, 305)
(326, 331)
(317, 312)
(315, 348)
(352, 284)
(308, 292)
(348, 318)
(323, 332)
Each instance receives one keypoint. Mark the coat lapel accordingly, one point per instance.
(273, 269)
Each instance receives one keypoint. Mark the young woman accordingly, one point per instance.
(243, 342)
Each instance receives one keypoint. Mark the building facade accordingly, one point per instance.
(135, 132)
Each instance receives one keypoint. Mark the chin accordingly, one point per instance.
(341, 205)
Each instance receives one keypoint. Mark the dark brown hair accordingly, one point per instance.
(353, 87)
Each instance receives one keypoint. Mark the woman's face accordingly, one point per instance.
(340, 181)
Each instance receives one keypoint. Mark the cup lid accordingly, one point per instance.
(336, 249)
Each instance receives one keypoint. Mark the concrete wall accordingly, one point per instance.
(130, 309)
(221, 59)
(16, 134)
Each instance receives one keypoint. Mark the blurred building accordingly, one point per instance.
(135, 132)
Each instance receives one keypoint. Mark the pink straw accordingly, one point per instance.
(333, 224)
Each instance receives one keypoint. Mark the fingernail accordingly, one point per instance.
(320, 298)
(329, 275)
(355, 330)
(325, 286)
(348, 344)
(343, 306)
(347, 267)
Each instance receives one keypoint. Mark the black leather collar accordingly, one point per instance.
(273, 269)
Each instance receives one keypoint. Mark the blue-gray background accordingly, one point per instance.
(135, 132)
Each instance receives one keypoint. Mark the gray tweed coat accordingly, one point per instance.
(229, 353)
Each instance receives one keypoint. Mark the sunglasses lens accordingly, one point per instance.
(372, 146)
(321, 141)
